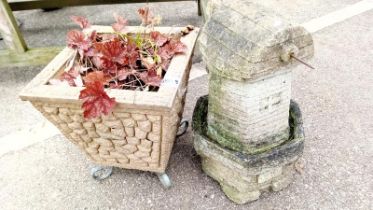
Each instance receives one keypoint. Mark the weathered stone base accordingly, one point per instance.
(244, 177)
(249, 116)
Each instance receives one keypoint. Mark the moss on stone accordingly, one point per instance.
(229, 141)
(224, 138)
(243, 177)
(199, 122)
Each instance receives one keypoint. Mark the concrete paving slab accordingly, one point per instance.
(21, 139)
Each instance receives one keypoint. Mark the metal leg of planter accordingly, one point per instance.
(183, 127)
(101, 172)
(165, 180)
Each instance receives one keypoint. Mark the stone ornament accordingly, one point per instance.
(248, 132)
(243, 177)
(247, 50)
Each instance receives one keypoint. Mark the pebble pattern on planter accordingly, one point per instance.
(131, 140)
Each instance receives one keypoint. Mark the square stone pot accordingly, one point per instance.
(140, 132)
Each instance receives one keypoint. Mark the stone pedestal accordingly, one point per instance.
(244, 132)
(244, 177)
(247, 50)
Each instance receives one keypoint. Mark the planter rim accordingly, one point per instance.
(163, 99)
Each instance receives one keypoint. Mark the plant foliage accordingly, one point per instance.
(118, 60)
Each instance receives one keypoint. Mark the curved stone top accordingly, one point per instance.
(242, 40)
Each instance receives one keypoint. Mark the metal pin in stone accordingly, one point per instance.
(301, 61)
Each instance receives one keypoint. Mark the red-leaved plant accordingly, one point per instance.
(118, 61)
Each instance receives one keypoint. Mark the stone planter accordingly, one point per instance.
(244, 177)
(140, 132)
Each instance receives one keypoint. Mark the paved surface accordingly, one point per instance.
(336, 100)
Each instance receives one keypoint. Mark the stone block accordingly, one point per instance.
(123, 160)
(56, 119)
(95, 120)
(154, 118)
(119, 143)
(50, 110)
(88, 125)
(93, 134)
(145, 125)
(282, 183)
(119, 132)
(82, 144)
(154, 137)
(102, 128)
(133, 140)
(86, 138)
(113, 124)
(140, 133)
(104, 142)
(156, 128)
(130, 131)
(146, 143)
(228, 176)
(129, 149)
(129, 123)
(249, 116)
(269, 174)
(107, 135)
(75, 137)
(94, 144)
(240, 197)
(91, 150)
(117, 155)
(80, 131)
(108, 117)
(142, 154)
(144, 149)
(133, 158)
(75, 125)
(122, 115)
(64, 127)
(65, 118)
(63, 110)
(139, 117)
(103, 152)
(77, 118)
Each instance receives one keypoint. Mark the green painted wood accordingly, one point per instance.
(36, 4)
(9, 29)
(199, 8)
(32, 57)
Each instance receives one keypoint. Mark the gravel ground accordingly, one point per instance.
(336, 100)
